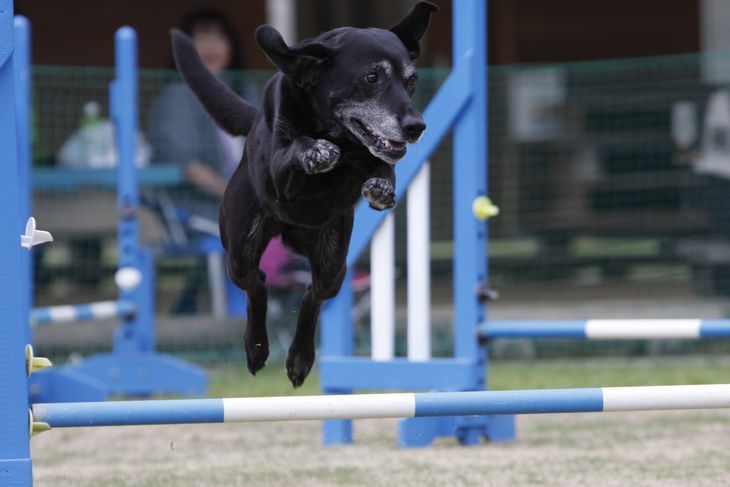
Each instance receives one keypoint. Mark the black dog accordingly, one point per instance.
(334, 121)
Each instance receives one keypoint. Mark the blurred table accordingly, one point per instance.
(82, 202)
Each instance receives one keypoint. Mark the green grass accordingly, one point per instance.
(234, 380)
(606, 372)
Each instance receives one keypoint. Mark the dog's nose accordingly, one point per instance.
(413, 127)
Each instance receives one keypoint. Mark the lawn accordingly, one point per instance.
(668, 448)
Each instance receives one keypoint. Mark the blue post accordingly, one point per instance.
(470, 155)
(470, 149)
(21, 70)
(15, 462)
(461, 103)
(123, 100)
(338, 340)
(470, 181)
(137, 331)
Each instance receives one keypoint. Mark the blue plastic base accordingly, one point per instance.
(421, 432)
(468, 430)
(64, 384)
(347, 373)
(131, 375)
(16, 472)
(143, 374)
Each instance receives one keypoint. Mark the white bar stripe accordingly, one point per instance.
(104, 309)
(642, 329)
(319, 407)
(62, 313)
(666, 397)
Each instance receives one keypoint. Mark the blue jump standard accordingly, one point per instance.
(394, 405)
(624, 329)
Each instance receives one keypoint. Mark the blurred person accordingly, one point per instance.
(182, 133)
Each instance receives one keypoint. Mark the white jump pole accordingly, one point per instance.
(382, 310)
(398, 405)
(419, 266)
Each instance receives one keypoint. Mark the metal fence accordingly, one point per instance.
(612, 178)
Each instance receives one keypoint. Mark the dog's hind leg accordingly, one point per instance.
(326, 249)
(243, 256)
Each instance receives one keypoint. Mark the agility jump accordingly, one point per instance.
(341, 372)
(397, 405)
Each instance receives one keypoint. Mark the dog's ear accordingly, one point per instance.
(295, 62)
(412, 27)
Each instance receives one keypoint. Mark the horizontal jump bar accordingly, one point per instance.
(81, 312)
(628, 329)
(400, 405)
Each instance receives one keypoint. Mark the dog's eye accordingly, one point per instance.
(371, 77)
(411, 82)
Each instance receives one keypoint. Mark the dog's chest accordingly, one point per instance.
(323, 197)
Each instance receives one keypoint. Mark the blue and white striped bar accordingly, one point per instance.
(101, 310)
(627, 329)
(402, 405)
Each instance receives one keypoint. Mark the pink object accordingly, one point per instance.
(273, 260)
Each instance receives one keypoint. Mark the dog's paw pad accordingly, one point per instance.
(319, 158)
(380, 193)
(298, 365)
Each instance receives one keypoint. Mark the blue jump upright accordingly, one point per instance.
(15, 463)
(21, 71)
(461, 104)
(133, 368)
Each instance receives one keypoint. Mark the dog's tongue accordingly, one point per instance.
(394, 145)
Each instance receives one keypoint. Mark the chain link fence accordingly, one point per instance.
(613, 179)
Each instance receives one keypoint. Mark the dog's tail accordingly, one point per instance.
(231, 112)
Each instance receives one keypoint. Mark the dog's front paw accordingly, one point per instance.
(319, 158)
(380, 193)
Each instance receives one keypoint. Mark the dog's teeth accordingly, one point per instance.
(392, 144)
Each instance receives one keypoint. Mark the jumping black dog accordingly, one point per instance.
(335, 120)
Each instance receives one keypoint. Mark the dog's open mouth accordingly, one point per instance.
(394, 149)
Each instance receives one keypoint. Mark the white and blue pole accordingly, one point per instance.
(622, 329)
(101, 310)
(399, 405)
